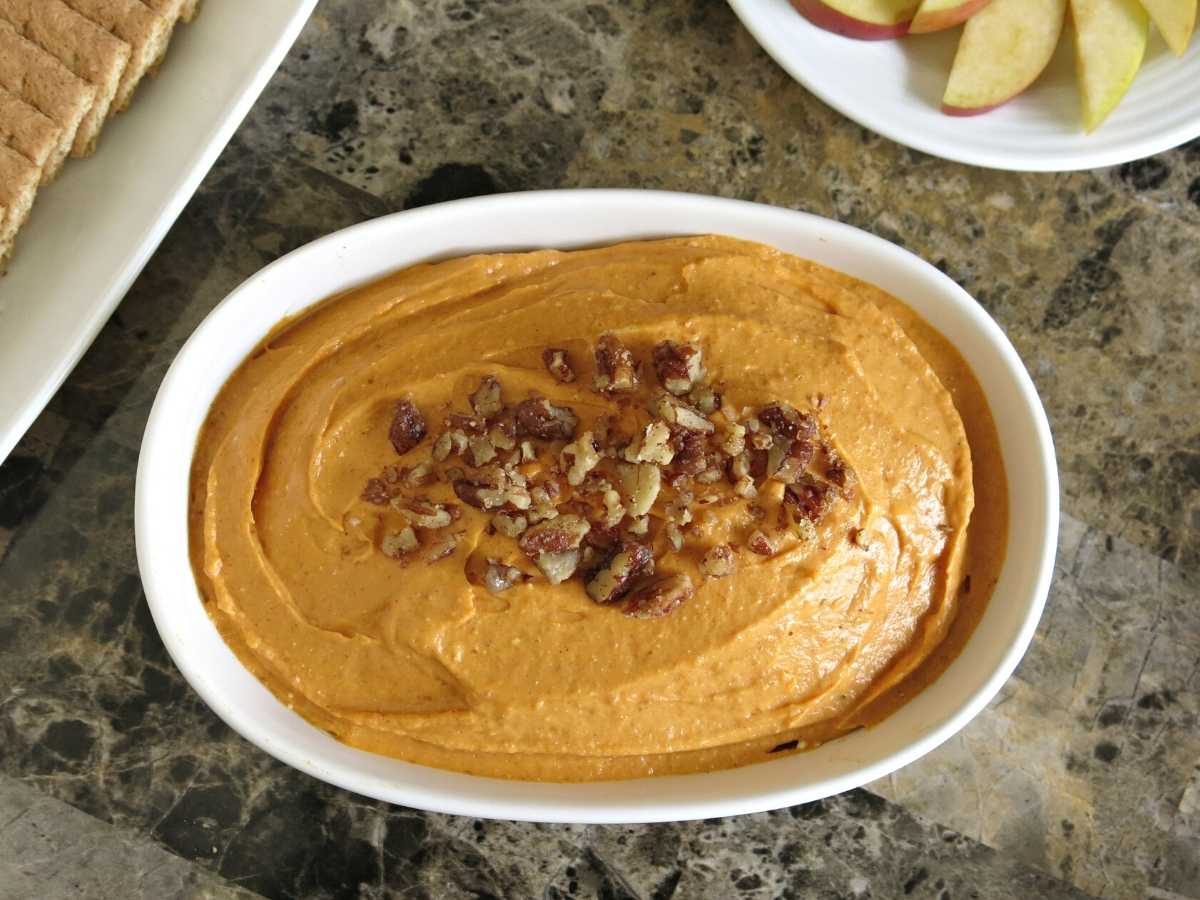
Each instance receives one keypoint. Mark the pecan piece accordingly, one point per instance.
(718, 562)
(674, 411)
(558, 364)
(655, 599)
(838, 473)
(785, 420)
(408, 426)
(443, 546)
(557, 535)
(616, 576)
(421, 513)
(494, 487)
(680, 367)
(398, 544)
(481, 451)
(486, 401)
(654, 445)
(616, 370)
(705, 398)
(538, 417)
(498, 577)
(558, 567)
(691, 451)
(762, 543)
(787, 460)
(509, 524)
(579, 458)
(809, 499)
(641, 482)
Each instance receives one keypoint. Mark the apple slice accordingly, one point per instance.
(1176, 19)
(1110, 41)
(937, 15)
(867, 20)
(1003, 48)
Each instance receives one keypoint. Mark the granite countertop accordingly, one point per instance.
(1081, 779)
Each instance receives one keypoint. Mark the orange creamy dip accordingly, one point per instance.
(829, 634)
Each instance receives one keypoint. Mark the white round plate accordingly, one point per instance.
(895, 87)
(567, 219)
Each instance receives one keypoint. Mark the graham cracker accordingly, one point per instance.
(47, 85)
(31, 133)
(85, 48)
(19, 179)
(146, 30)
(187, 12)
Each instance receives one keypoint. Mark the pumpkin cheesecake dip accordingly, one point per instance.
(659, 507)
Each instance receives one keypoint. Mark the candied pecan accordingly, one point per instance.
(654, 445)
(482, 451)
(718, 562)
(679, 366)
(641, 482)
(538, 417)
(398, 544)
(616, 370)
(674, 411)
(408, 426)
(579, 458)
(443, 545)
(376, 492)
(558, 567)
(610, 582)
(509, 524)
(785, 420)
(420, 512)
(674, 536)
(658, 597)
(691, 451)
(809, 498)
(705, 398)
(554, 536)
(486, 401)
(469, 425)
(838, 473)
(762, 543)
(558, 364)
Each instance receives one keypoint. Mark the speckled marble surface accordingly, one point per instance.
(1081, 779)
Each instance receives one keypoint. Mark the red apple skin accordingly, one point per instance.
(965, 111)
(947, 18)
(831, 20)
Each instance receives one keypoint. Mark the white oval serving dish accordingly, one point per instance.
(566, 219)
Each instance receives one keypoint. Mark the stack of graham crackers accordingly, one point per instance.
(65, 67)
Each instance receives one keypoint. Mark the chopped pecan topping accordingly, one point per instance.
(398, 544)
(558, 567)
(499, 577)
(674, 536)
(691, 451)
(787, 460)
(786, 421)
(658, 597)
(733, 439)
(653, 445)
(838, 473)
(421, 513)
(640, 526)
(494, 487)
(744, 487)
(538, 417)
(558, 364)
(602, 537)
(468, 425)
(762, 543)
(680, 367)
(486, 401)
(679, 510)
(809, 499)
(579, 458)
(554, 536)
(503, 431)
(481, 451)
(705, 398)
(408, 426)
(449, 443)
(641, 482)
(674, 411)
(443, 546)
(609, 583)
(718, 562)
(509, 524)
(616, 370)
(377, 492)
(761, 440)
(614, 509)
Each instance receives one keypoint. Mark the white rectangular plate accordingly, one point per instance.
(93, 230)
